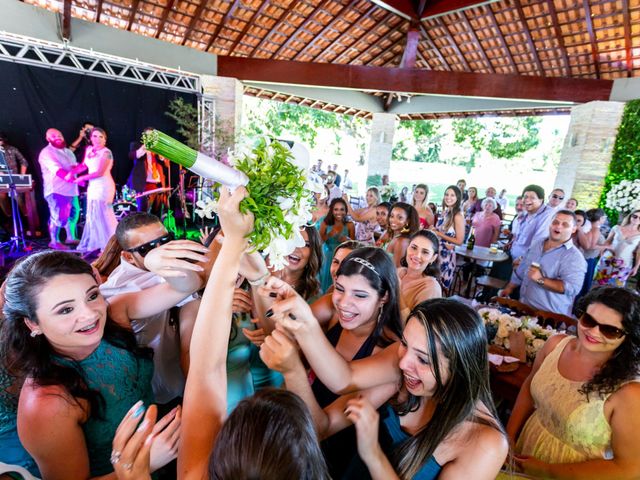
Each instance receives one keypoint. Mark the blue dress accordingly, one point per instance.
(328, 249)
(11, 450)
(122, 379)
(391, 436)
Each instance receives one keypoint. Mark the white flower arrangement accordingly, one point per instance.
(279, 191)
(386, 192)
(624, 197)
(535, 335)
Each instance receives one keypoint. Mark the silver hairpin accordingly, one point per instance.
(366, 263)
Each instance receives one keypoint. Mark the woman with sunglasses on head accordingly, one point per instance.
(621, 253)
(435, 417)
(100, 221)
(75, 361)
(576, 414)
(420, 271)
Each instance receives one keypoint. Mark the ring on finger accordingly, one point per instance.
(115, 457)
(127, 466)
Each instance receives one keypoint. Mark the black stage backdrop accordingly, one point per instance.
(35, 98)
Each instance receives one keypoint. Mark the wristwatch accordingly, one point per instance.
(540, 281)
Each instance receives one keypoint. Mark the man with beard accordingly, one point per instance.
(56, 162)
(552, 272)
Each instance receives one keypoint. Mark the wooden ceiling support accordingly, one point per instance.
(276, 24)
(359, 37)
(627, 37)
(248, 25)
(441, 7)
(403, 8)
(132, 15)
(433, 48)
(453, 43)
(476, 40)
(304, 23)
(411, 80)
(559, 37)
(383, 38)
(410, 53)
(527, 34)
(99, 11)
(223, 21)
(192, 22)
(501, 38)
(336, 18)
(592, 36)
(66, 20)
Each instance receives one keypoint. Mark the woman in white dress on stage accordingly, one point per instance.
(100, 221)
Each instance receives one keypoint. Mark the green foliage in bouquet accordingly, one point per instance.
(625, 161)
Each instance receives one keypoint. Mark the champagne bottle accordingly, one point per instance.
(471, 241)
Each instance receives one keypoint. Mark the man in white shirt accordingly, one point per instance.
(60, 191)
(334, 190)
(137, 234)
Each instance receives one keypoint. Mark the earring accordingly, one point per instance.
(34, 333)
(405, 229)
(380, 314)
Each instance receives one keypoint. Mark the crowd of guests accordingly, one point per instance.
(347, 363)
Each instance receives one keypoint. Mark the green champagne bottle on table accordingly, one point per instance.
(471, 241)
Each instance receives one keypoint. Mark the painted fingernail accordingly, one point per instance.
(273, 294)
(143, 425)
(139, 411)
(269, 313)
(292, 316)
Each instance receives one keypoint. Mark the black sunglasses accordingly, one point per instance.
(147, 247)
(557, 197)
(609, 331)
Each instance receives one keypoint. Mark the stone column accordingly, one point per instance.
(383, 126)
(587, 151)
(227, 95)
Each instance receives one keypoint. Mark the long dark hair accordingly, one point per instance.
(309, 285)
(383, 278)
(624, 364)
(433, 269)
(461, 336)
(450, 214)
(413, 219)
(268, 436)
(329, 218)
(24, 355)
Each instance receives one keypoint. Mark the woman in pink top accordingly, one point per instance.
(486, 224)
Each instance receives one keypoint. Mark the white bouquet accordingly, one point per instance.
(624, 197)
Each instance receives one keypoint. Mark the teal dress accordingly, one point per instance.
(122, 379)
(11, 450)
(328, 249)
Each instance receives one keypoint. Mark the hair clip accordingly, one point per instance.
(366, 263)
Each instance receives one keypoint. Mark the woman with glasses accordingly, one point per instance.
(577, 413)
(621, 257)
(101, 221)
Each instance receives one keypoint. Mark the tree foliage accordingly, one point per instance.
(625, 161)
(425, 135)
(186, 116)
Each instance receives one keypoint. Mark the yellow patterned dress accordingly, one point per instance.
(565, 427)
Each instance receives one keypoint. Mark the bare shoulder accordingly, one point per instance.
(627, 396)
(46, 403)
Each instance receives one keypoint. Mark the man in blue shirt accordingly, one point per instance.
(535, 225)
(552, 271)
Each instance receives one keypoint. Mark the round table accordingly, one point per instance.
(479, 254)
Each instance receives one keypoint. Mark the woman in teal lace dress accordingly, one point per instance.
(334, 230)
(81, 370)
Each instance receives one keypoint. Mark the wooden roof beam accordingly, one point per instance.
(453, 43)
(192, 23)
(556, 27)
(248, 25)
(503, 42)
(360, 37)
(381, 39)
(411, 80)
(304, 23)
(479, 46)
(337, 17)
(433, 47)
(276, 24)
(527, 34)
(224, 19)
(627, 37)
(592, 36)
(132, 15)
(390, 48)
(436, 8)
(66, 20)
(403, 8)
(99, 11)
(410, 53)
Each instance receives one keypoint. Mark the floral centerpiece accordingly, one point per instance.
(624, 197)
(386, 192)
(278, 194)
(535, 335)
